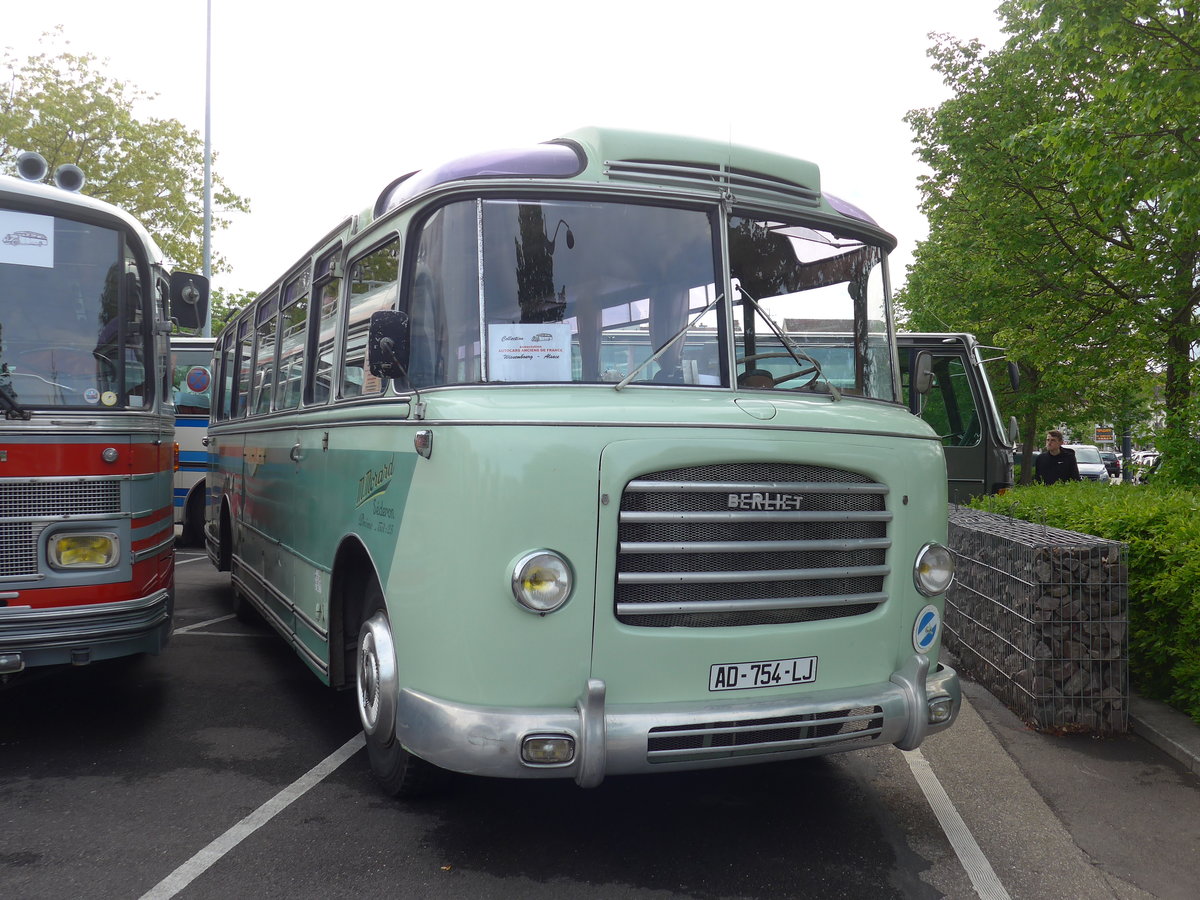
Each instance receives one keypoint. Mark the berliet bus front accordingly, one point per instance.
(590, 460)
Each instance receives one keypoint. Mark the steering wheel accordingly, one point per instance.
(812, 371)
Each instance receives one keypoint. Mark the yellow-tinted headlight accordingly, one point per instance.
(84, 551)
(541, 581)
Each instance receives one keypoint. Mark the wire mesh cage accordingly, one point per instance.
(1040, 617)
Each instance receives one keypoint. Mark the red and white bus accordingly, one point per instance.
(87, 425)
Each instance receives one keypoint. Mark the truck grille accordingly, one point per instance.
(23, 502)
(750, 544)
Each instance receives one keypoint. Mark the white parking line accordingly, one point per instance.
(202, 861)
(181, 562)
(186, 628)
(979, 870)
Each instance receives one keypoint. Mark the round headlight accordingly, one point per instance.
(541, 581)
(933, 570)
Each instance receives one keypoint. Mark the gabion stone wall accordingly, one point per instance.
(1039, 616)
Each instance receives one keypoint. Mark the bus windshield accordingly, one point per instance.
(602, 292)
(71, 329)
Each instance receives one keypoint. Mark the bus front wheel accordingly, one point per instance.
(399, 773)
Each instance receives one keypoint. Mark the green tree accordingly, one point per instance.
(225, 305)
(1064, 209)
(63, 106)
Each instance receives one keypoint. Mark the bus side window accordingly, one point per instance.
(373, 282)
(264, 363)
(245, 355)
(224, 378)
(327, 286)
(292, 321)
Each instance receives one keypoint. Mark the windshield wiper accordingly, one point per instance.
(666, 346)
(794, 351)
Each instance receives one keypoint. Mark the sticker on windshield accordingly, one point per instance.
(91, 395)
(26, 239)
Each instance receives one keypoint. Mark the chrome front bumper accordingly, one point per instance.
(83, 634)
(629, 739)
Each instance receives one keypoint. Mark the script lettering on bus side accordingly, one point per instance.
(374, 482)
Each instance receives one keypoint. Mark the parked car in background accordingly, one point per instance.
(1145, 462)
(1112, 462)
(1091, 465)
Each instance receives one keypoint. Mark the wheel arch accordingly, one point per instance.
(353, 570)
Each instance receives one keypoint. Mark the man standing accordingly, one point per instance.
(1056, 463)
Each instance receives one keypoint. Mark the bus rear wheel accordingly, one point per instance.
(398, 772)
(193, 519)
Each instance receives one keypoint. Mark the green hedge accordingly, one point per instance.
(1161, 525)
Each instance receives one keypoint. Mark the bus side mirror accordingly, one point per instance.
(1014, 431)
(387, 344)
(1014, 376)
(189, 299)
(922, 372)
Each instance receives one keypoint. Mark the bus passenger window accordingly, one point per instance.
(292, 321)
(327, 289)
(373, 280)
(245, 352)
(264, 363)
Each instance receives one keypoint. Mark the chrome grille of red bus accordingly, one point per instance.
(750, 544)
(21, 502)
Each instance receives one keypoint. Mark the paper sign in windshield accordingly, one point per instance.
(26, 239)
(538, 352)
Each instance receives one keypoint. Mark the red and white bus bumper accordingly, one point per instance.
(82, 634)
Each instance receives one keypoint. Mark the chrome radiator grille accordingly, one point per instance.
(750, 544)
(750, 737)
(21, 502)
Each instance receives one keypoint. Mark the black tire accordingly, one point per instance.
(398, 772)
(193, 519)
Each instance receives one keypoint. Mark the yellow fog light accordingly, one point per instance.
(541, 581)
(548, 750)
(940, 709)
(84, 551)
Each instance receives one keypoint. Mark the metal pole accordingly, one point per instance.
(208, 160)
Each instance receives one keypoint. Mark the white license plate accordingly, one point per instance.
(771, 673)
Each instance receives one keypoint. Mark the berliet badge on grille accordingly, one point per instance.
(769, 501)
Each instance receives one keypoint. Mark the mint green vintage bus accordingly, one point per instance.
(503, 452)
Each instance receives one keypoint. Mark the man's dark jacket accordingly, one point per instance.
(1050, 468)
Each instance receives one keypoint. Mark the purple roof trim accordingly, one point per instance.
(541, 160)
(849, 209)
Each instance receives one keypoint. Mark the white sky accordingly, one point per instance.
(316, 106)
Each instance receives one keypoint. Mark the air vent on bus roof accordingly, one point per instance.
(746, 186)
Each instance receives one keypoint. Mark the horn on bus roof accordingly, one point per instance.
(32, 166)
(70, 178)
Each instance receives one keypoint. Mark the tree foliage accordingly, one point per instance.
(63, 106)
(1064, 208)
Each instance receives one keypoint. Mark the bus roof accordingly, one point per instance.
(607, 155)
(55, 200)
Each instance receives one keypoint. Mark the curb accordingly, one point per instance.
(1170, 730)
